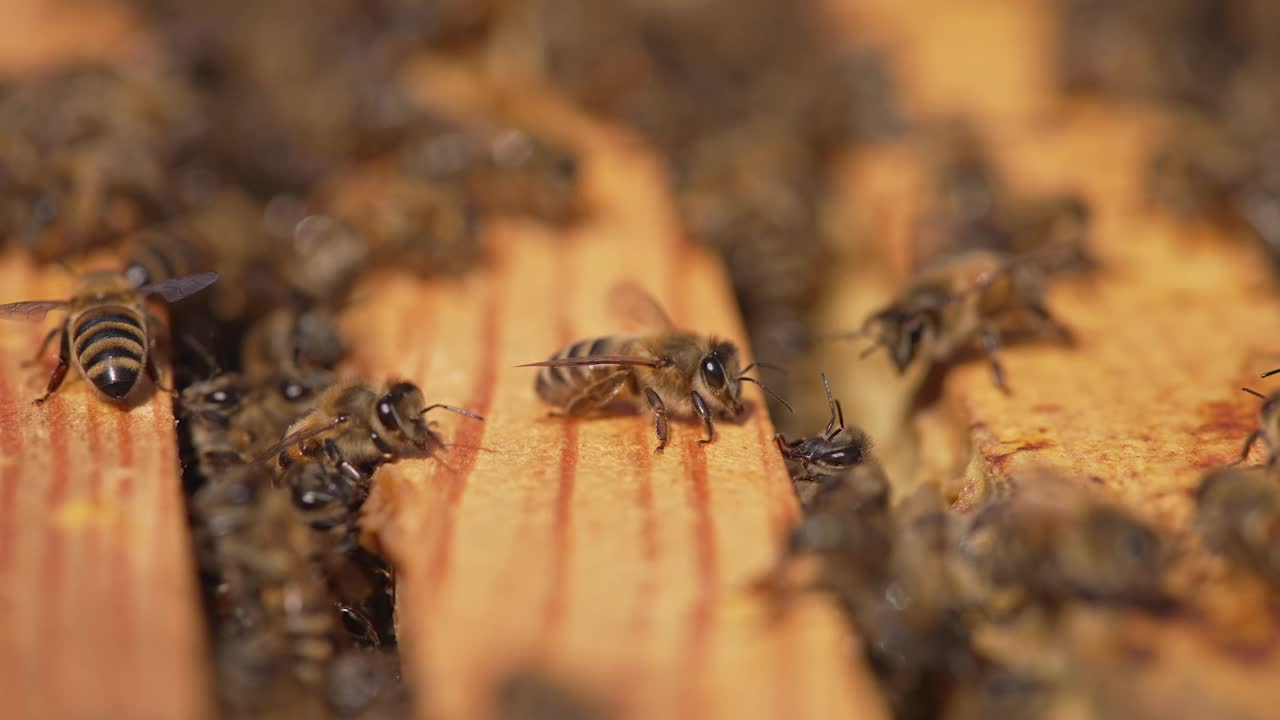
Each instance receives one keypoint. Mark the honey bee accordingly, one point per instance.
(231, 418)
(1239, 516)
(1268, 425)
(292, 340)
(528, 694)
(106, 333)
(358, 428)
(281, 619)
(367, 685)
(824, 459)
(1050, 544)
(672, 367)
(976, 296)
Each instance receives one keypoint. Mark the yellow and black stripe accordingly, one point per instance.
(110, 344)
(559, 385)
(158, 255)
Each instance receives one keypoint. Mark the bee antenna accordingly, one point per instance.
(451, 408)
(1254, 393)
(1269, 373)
(762, 364)
(771, 393)
(867, 353)
(204, 353)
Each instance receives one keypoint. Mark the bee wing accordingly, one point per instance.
(600, 360)
(174, 289)
(635, 306)
(29, 310)
(300, 435)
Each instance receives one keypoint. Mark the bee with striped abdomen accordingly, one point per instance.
(106, 333)
(292, 340)
(666, 368)
(358, 428)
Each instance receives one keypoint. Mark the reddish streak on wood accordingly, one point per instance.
(561, 532)
(643, 619)
(705, 547)
(10, 446)
(470, 438)
(59, 478)
(562, 522)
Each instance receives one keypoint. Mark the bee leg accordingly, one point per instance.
(659, 419)
(44, 345)
(1248, 445)
(991, 343)
(1047, 324)
(700, 407)
(59, 372)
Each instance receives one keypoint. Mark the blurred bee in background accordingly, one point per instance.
(825, 459)
(529, 694)
(958, 302)
(292, 340)
(893, 571)
(86, 154)
(357, 428)
(277, 639)
(414, 223)
(672, 367)
(107, 335)
(506, 171)
(1048, 544)
(1238, 511)
(367, 685)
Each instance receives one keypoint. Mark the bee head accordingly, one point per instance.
(832, 454)
(399, 411)
(899, 332)
(719, 374)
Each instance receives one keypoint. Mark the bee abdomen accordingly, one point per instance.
(110, 346)
(559, 385)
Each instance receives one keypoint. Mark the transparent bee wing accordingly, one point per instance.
(29, 310)
(174, 289)
(300, 435)
(600, 360)
(637, 308)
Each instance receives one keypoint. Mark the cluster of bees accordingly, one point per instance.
(216, 171)
(212, 175)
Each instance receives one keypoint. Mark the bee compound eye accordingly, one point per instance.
(386, 413)
(843, 457)
(713, 372)
(293, 391)
(223, 397)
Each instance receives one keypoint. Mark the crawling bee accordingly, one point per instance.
(825, 458)
(358, 428)
(1268, 425)
(962, 299)
(1050, 544)
(106, 334)
(683, 369)
(1239, 516)
(231, 418)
